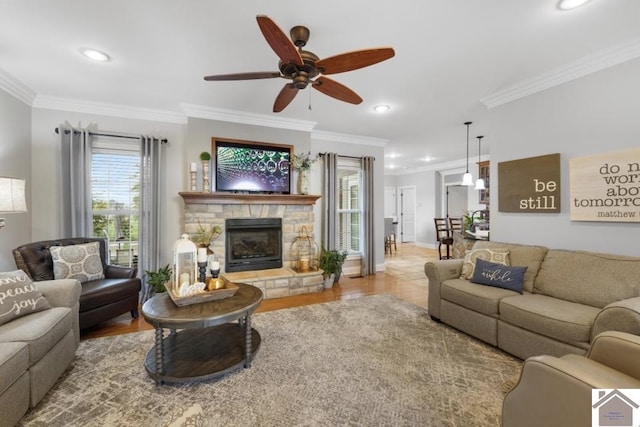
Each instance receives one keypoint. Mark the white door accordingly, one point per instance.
(407, 214)
(456, 200)
(390, 202)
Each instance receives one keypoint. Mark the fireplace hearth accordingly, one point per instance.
(253, 244)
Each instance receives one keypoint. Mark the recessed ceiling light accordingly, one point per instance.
(381, 108)
(571, 4)
(94, 54)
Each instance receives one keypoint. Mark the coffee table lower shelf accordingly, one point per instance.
(202, 354)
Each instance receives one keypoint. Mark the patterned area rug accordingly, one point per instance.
(372, 361)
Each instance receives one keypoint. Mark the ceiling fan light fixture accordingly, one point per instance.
(479, 181)
(571, 4)
(94, 54)
(382, 108)
(467, 179)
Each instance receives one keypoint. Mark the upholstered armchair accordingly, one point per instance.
(557, 391)
(101, 299)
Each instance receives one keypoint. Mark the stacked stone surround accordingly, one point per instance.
(274, 283)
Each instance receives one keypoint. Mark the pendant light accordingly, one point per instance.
(479, 181)
(467, 179)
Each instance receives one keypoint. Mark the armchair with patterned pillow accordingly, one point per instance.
(107, 290)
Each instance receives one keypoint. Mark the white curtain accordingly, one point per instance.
(368, 193)
(151, 154)
(75, 217)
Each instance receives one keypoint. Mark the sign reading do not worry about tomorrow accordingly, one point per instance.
(606, 187)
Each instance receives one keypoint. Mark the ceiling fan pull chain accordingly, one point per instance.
(309, 100)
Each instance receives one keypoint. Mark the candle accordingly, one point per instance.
(194, 167)
(303, 264)
(202, 254)
(215, 265)
(184, 278)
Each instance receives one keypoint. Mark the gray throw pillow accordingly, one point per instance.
(19, 296)
(81, 262)
(498, 275)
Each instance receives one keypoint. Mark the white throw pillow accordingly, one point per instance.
(19, 296)
(81, 262)
(499, 256)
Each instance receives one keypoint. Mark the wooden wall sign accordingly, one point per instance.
(605, 187)
(530, 185)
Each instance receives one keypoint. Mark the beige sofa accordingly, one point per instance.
(37, 348)
(569, 297)
(555, 391)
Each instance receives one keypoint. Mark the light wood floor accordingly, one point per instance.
(403, 277)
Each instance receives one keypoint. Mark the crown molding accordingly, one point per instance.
(233, 116)
(580, 68)
(112, 110)
(16, 88)
(348, 139)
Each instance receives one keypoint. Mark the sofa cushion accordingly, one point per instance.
(480, 298)
(522, 255)
(589, 278)
(562, 320)
(497, 255)
(41, 331)
(19, 296)
(81, 262)
(14, 361)
(498, 275)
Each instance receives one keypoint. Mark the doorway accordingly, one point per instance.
(407, 209)
(456, 200)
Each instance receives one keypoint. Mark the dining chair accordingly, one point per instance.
(443, 236)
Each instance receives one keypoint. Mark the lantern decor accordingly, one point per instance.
(184, 262)
(304, 252)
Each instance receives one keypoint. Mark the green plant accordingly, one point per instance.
(157, 279)
(205, 156)
(204, 235)
(303, 161)
(468, 220)
(331, 261)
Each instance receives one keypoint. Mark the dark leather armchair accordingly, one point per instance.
(100, 300)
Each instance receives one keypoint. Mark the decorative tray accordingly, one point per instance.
(229, 290)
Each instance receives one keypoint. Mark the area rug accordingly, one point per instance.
(371, 361)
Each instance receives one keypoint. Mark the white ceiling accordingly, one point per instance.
(450, 56)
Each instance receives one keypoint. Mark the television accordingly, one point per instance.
(252, 167)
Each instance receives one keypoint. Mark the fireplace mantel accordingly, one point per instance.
(247, 199)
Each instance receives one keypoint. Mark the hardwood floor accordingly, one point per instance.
(403, 277)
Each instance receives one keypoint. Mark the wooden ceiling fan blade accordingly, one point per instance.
(284, 98)
(244, 76)
(336, 90)
(353, 60)
(279, 41)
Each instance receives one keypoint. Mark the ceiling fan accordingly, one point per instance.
(304, 68)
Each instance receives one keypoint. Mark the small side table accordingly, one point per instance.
(202, 343)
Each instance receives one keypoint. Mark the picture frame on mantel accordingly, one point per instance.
(605, 187)
(530, 185)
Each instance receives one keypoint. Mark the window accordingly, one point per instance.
(115, 197)
(349, 209)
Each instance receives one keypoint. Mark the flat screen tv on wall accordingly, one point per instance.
(254, 167)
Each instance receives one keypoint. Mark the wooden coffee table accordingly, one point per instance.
(202, 343)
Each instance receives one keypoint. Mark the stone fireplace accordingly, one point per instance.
(293, 211)
(253, 244)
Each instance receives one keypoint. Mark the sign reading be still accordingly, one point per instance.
(606, 187)
(530, 185)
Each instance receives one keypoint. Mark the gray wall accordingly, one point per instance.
(595, 114)
(15, 161)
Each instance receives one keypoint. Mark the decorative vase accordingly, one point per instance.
(328, 281)
(205, 176)
(303, 181)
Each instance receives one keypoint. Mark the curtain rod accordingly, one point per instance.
(347, 157)
(112, 135)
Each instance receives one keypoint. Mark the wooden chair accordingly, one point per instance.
(443, 236)
(456, 224)
(389, 235)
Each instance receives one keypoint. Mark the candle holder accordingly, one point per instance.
(194, 185)
(202, 268)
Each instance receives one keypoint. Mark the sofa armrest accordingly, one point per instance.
(117, 272)
(61, 292)
(618, 350)
(621, 316)
(437, 272)
(557, 391)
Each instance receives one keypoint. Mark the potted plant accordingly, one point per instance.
(205, 158)
(302, 163)
(157, 279)
(331, 262)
